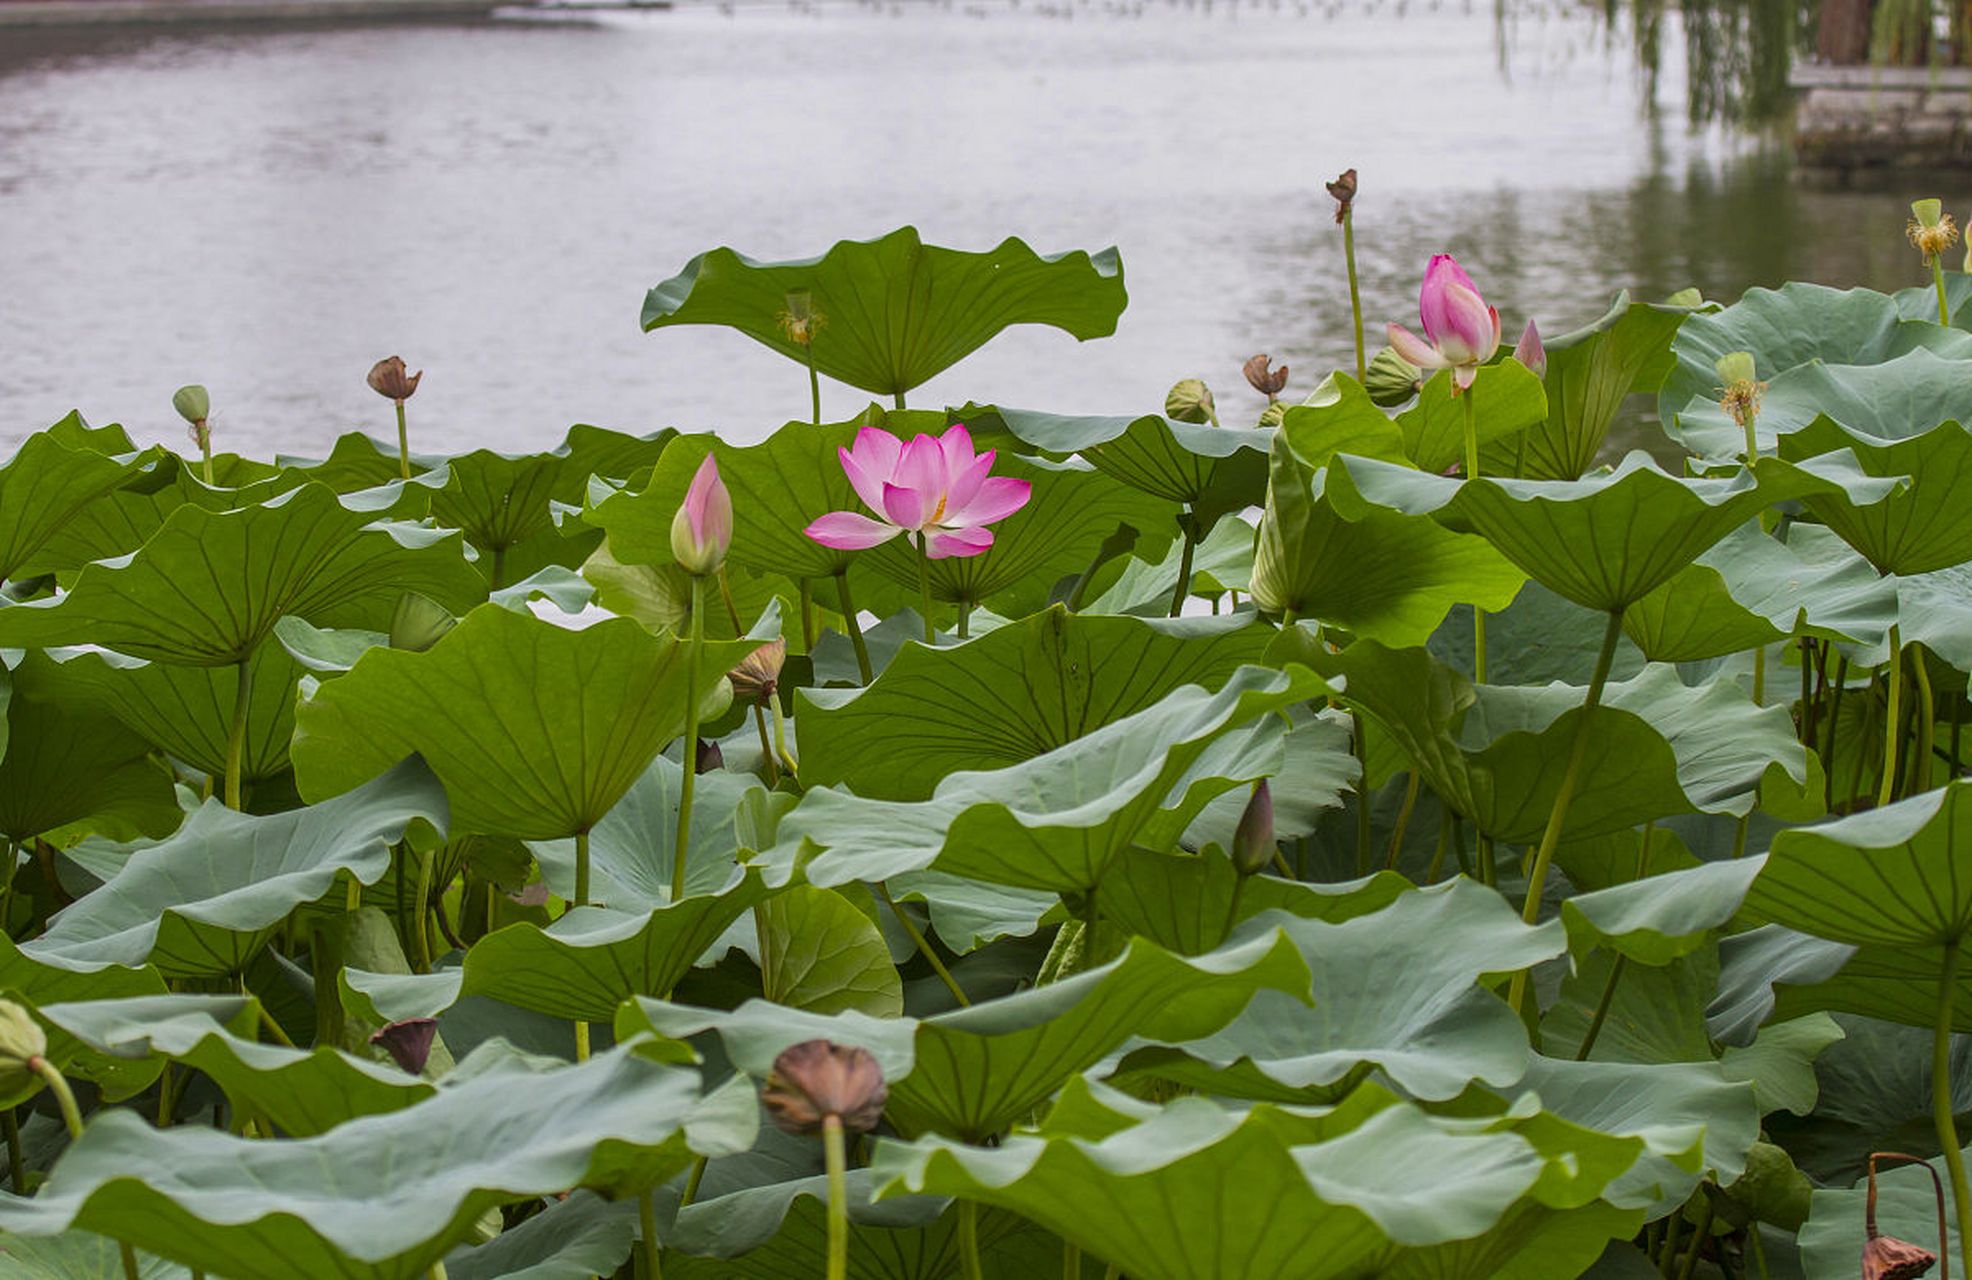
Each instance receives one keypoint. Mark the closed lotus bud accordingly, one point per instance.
(419, 622)
(1253, 845)
(1263, 377)
(703, 528)
(757, 677)
(1530, 352)
(22, 1041)
(390, 379)
(1344, 191)
(192, 402)
(408, 1042)
(1391, 379)
(1190, 400)
(818, 1079)
(1931, 230)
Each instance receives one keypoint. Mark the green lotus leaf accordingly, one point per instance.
(75, 767)
(1906, 1208)
(383, 1197)
(1396, 990)
(301, 1092)
(78, 1255)
(1539, 638)
(1898, 983)
(976, 1072)
(1656, 920)
(1187, 902)
(1221, 561)
(536, 730)
(1008, 696)
(1318, 770)
(1793, 325)
(1220, 468)
(1338, 417)
(1329, 1193)
(894, 312)
(576, 1238)
(632, 850)
(202, 902)
(819, 952)
(1494, 752)
(1894, 400)
(966, 914)
(34, 982)
(1656, 1012)
(1603, 542)
(208, 586)
(1914, 527)
(1780, 1063)
(1373, 572)
(1756, 967)
(1590, 372)
(1056, 821)
(357, 461)
(1507, 399)
(779, 1229)
(43, 486)
(1872, 1093)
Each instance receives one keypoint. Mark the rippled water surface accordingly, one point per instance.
(269, 211)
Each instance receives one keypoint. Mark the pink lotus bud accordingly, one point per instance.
(703, 528)
(1530, 352)
(1253, 840)
(1460, 331)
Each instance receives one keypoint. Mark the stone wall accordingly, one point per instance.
(1855, 118)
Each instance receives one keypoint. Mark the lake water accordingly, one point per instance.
(269, 211)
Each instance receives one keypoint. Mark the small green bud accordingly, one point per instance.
(21, 1041)
(1253, 845)
(1735, 367)
(1190, 400)
(192, 403)
(1689, 296)
(1390, 379)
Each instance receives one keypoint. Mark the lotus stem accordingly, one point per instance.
(236, 737)
(420, 936)
(437, 1271)
(130, 1268)
(1937, 1190)
(855, 627)
(1355, 294)
(64, 1096)
(969, 1240)
(1403, 819)
(814, 386)
(205, 451)
(1927, 721)
(780, 740)
(838, 1170)
(1760, 676)
(897, 400)
(1757, 1247)
(268, 1023)
(1805, 726)
(692, 1180)
(1444, 845)
(1558, 816)
(1699, 1236)
(924, 586)
(1472, 473)
(403, 445)
(1834, 724)
(1938, 279)
(649, 1267)
(1071, 1261)
(16, 1155)
(1601, 1009)
(688, 753)
(807, 590)
(1941, 1104)
(965, 619)
(581, 1040)
(1363, 798)
(499, 576)
(1892, 723)
(1668, 1252)
(922, 943)
(766, 748)
(582, 869)
(1189, 526)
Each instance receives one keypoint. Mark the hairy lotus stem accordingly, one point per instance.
(403, 445)
(780, 740)
(696, 1176)
(850, 621)
(969, 1240)
(1938, 279)
(64, 1096)
(688, 753)
(1472, 473)
(1558, 815)
(648, 1265)
(1403, 818)
(1355, 294)
(922, 943)
(236, 737)
(1892, 724)
(924, 585)
(807, 587)
(1941, 1104)
(833, 1150)
(766, 748)
(1189, 524)
(1927, 723)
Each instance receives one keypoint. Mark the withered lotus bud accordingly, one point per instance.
(758, 675)
(818, 1079)
(21, 1042)
(389, 379)
(1886, 1257)
(407, 1041)
(1190, 400)
(1253, 842)
(1264, 378)
(1344, 191)
(708, 757)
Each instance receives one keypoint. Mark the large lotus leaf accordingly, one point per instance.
(1008, 696)
(1321, 1194)
(1890, 401)
(1913, 528)
(1221, 561)
(1906, 1207)
(1603, 542)
(575, 1238)
(187, 712)
(975, 1072)
(1318, 771)
(1186, 902)
(1656, 1012)
(35, 982)
(1873, 1093)
(383, 1197)
(1188, 462)
(819, 952)
(775, 1231)
(1056, 821)
(202, 902)
(1899, 983)
(536, 730)
(66, 765)
(1590, 372)
(1507, 399)
(300, 1091)
(1338, 417)
(894, 312)
(43, 486)
(357, 461)
(1397, 990)
(208, 586)
(1658, 919)
(78, 1255)
(1753, 968)
(1539, 638)
(967, 914)
(1372, 571)
(1791, 326)
(1495, 753)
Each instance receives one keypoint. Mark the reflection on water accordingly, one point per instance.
(270, 211)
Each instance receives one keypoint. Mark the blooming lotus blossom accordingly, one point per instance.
(939, 490)
(702, 530)
(1460, 331)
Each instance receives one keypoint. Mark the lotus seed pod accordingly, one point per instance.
(1928, 213)
(21, 1042)
(1888, 1258)
(1391, 379)
(192, 402)
(817, 1079)
(1930, 229)
(758, 675)
(1190, 400)
(389, 379)
(1253, 844)
(1735, 366)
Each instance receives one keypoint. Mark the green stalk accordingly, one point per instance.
(923, 945)
(969, 1240)
(807, 615)
(1558, 816)
(924, 585)
(1403, 818)
(766, 747)
(1699, 1235)
(696, 1176)
(236, 738)
(1938, 279)
(815, 385)
(420, 939)
(16, 1154)
(1363, 798)
(965, 619)
(838, 1171)
(1355, 294)
(130, 1269)
(1071, 1261)
(1834, 723)
(403, 445)
(1927, 722)
(780, 741)
(1669, 1252)
(898, 400)
(1444, 844)
(581, 1041)
(1601, 1009)
(649, 1267)
(1892, 724)
(688, 754)
(65, 1098)
(205, 451)
(855, 627)
(1472, 473)
(1178, 593)
(582, 869)
(1941, 1106)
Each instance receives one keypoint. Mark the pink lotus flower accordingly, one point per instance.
(938, 490)
(1530, 352)
(703, 528)
(1460, 331)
